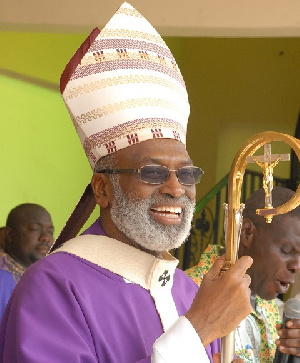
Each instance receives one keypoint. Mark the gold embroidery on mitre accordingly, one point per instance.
(129, 12)
(132, 34)
(118, 80)
(102, 57)
(123, 105)
(101, 44)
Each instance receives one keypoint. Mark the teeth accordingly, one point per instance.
(176, 210)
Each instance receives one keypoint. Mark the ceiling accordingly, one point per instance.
(171, 17)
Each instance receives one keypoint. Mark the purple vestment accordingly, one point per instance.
(67, 309)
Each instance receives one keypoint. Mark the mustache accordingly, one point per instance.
(165, 199)
(44, 243)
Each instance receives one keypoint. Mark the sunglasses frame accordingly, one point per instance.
(139, 171)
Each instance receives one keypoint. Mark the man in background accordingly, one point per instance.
(28, 238)
(275, 250)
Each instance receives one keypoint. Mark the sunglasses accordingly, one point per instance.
(159, 174)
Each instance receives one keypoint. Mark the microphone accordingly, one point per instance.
(291, 310)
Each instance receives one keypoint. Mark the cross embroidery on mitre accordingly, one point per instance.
(156, 133)
(176, 135)
(122, 53)
(99, 56)
(111, 147)
(132, 139)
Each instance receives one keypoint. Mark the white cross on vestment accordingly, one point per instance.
(267, 162)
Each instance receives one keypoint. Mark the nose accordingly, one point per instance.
(172, 186)
(46, 236)
(294, 264)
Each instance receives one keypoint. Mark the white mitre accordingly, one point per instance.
(123, 86)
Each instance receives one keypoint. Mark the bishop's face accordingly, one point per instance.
(156, 217)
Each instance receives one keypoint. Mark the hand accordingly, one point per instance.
(222, 301)
(289, 339)
(217, 359)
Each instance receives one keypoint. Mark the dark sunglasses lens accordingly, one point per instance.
(154, 174)
(189, 175)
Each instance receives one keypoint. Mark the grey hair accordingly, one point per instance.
(106, 162)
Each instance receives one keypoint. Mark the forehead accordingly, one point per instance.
(164, 151)
(34, 215)
(284, 222)
(284, 229)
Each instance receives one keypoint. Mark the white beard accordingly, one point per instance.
(132, 217)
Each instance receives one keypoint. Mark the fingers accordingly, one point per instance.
(240, 267)
(290, 333)
(216, 268)
(238, 271)
(293, 324)
(243, 264)
(289, 339)
(289, 346)
(222, 301)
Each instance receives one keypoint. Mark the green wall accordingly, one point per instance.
(41, 56)
(40, 156)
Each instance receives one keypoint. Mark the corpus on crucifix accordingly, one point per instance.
(267, 162)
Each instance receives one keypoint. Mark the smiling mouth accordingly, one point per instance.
(169, 212)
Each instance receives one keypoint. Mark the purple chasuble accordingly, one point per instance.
(67, 309)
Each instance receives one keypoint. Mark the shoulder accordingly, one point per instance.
(6, 279)
(5, 275)
(65, 268)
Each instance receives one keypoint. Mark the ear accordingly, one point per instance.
(102, 189)
(247, 233)
(8, 240)
(8, 237)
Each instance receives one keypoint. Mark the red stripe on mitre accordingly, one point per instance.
(76, 59)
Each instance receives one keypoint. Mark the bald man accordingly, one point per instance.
(28, 238)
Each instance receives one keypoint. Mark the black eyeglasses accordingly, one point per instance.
(158, 174)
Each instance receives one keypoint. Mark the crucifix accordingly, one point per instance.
(267, 162)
